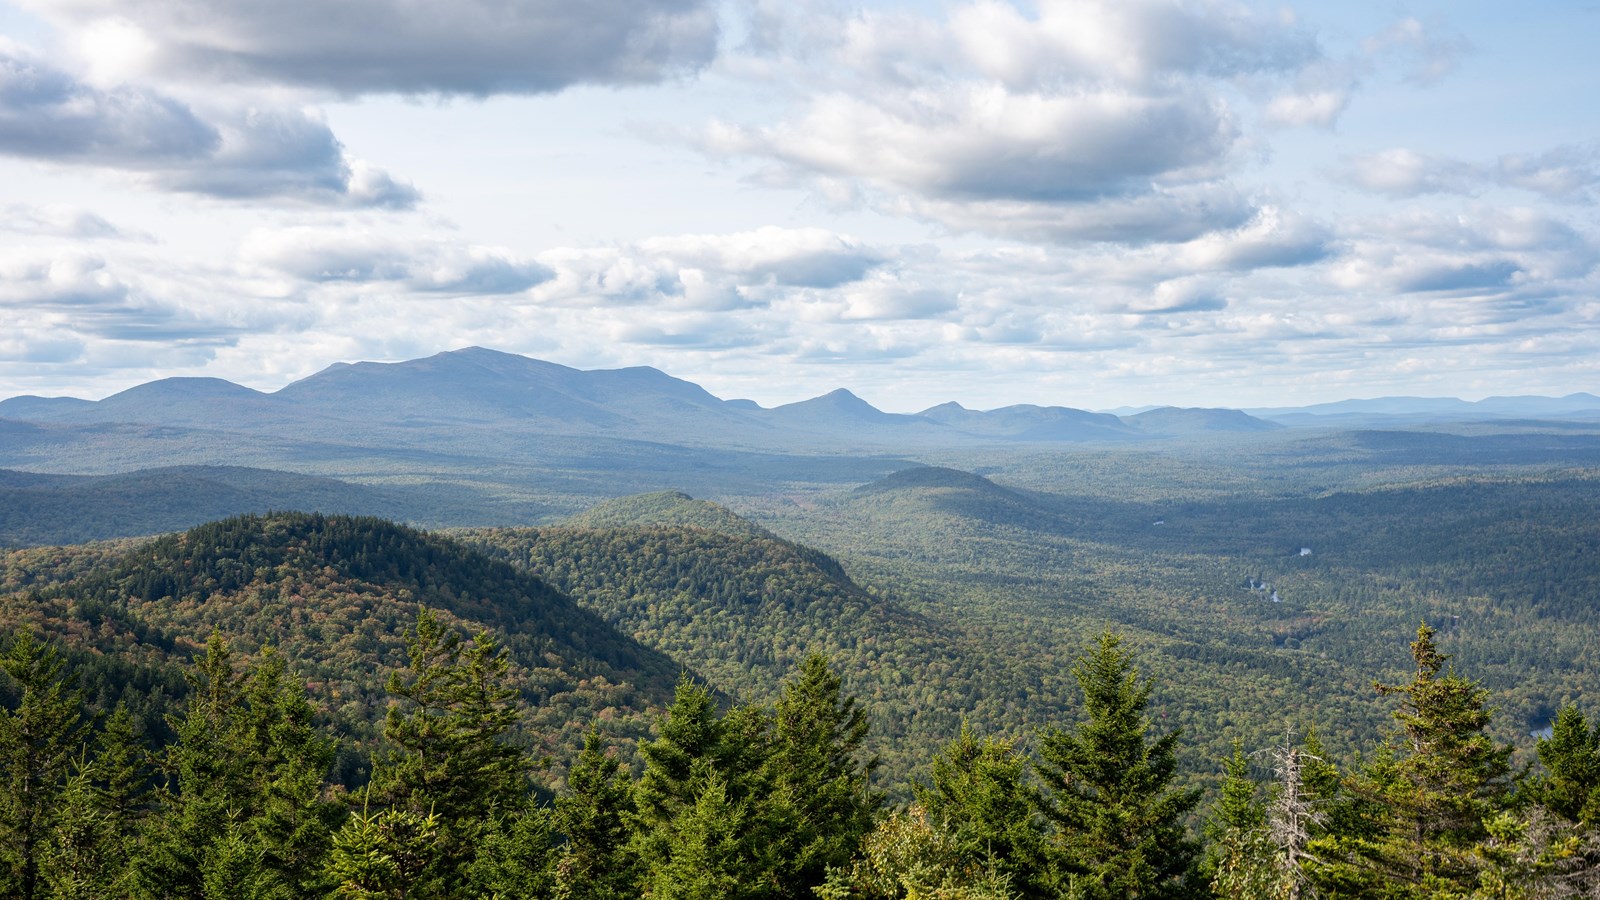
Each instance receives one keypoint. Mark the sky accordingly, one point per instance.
(1063, 202)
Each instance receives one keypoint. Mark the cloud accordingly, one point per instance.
(1081, 121)
(1429, 50)
(1399, 172)
(470, 47)
(1565, 174)
(709, 272)
(1315, 107)
(257, 154)
(1471, 277)
(56, 221)
(795, 257)
(985, 143)
(321, 255)
(58, 280)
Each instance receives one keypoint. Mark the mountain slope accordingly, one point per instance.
(337, 595)
(743, 609)
(673, 509)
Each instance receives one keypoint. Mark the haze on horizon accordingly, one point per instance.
(1089, 204)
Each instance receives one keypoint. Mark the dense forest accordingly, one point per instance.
(239, 799)
(887, 691)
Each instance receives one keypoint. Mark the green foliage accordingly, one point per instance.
(816, 771)
(244, 803)
(449, 753)
(383, 855)
(596, 816)
(1570, 786)
(39, 742)
(910, 857)
(1428, 797)
(984, 809)
(1109, 791)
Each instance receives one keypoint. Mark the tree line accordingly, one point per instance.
(761, 802)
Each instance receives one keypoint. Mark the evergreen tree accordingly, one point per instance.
(708, 852)
(40, 741)
(595, 814)
(1425, 800)
(290, 823)
(1243, 863)
(94, 840)
(980, 802)
(1108, 791)
(244, 814)
(204, 782)
(702, 772)
(383, 855)
(816, 769)
(691, 730)
(516, 856)
(449, 755)
(1570, 785)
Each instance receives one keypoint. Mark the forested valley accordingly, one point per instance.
(661, 698)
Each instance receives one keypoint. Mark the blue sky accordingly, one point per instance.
(1088, 204)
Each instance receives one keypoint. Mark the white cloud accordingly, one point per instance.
(56, 220)
(47, 114)
(1565, 174)
(1082, 121)
(322, 255)
(472, 47)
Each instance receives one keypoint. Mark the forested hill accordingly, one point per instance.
(336, 596)
(745, 609)
(666, 508)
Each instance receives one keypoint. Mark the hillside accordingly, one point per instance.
(336, 596)
(744, 608)
(666, 509)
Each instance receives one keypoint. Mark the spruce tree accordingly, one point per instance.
(817, 768)
(701, 772)
(595, 815)
(93, 842)
(980, 802)
(1418, 811)
(449, 756)
(243, 813)
(1108, 790)
(1570, 785)
(40, 741)
(1243, 863)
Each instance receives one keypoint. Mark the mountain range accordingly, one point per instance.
(475, 388)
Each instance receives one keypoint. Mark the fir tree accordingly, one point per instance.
(1243, 863)
(980, 801)
(449, 754)
(1570, 785)
(595, 814)
(40, 741)
(1108, 790)
(817, 770)
(1421, 805)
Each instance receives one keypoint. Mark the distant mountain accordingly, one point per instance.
(1033, 423)
(838, 408)
(1424, 410)
(666, 509)
(38, 509)
(1171, 421)
(508, 429)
